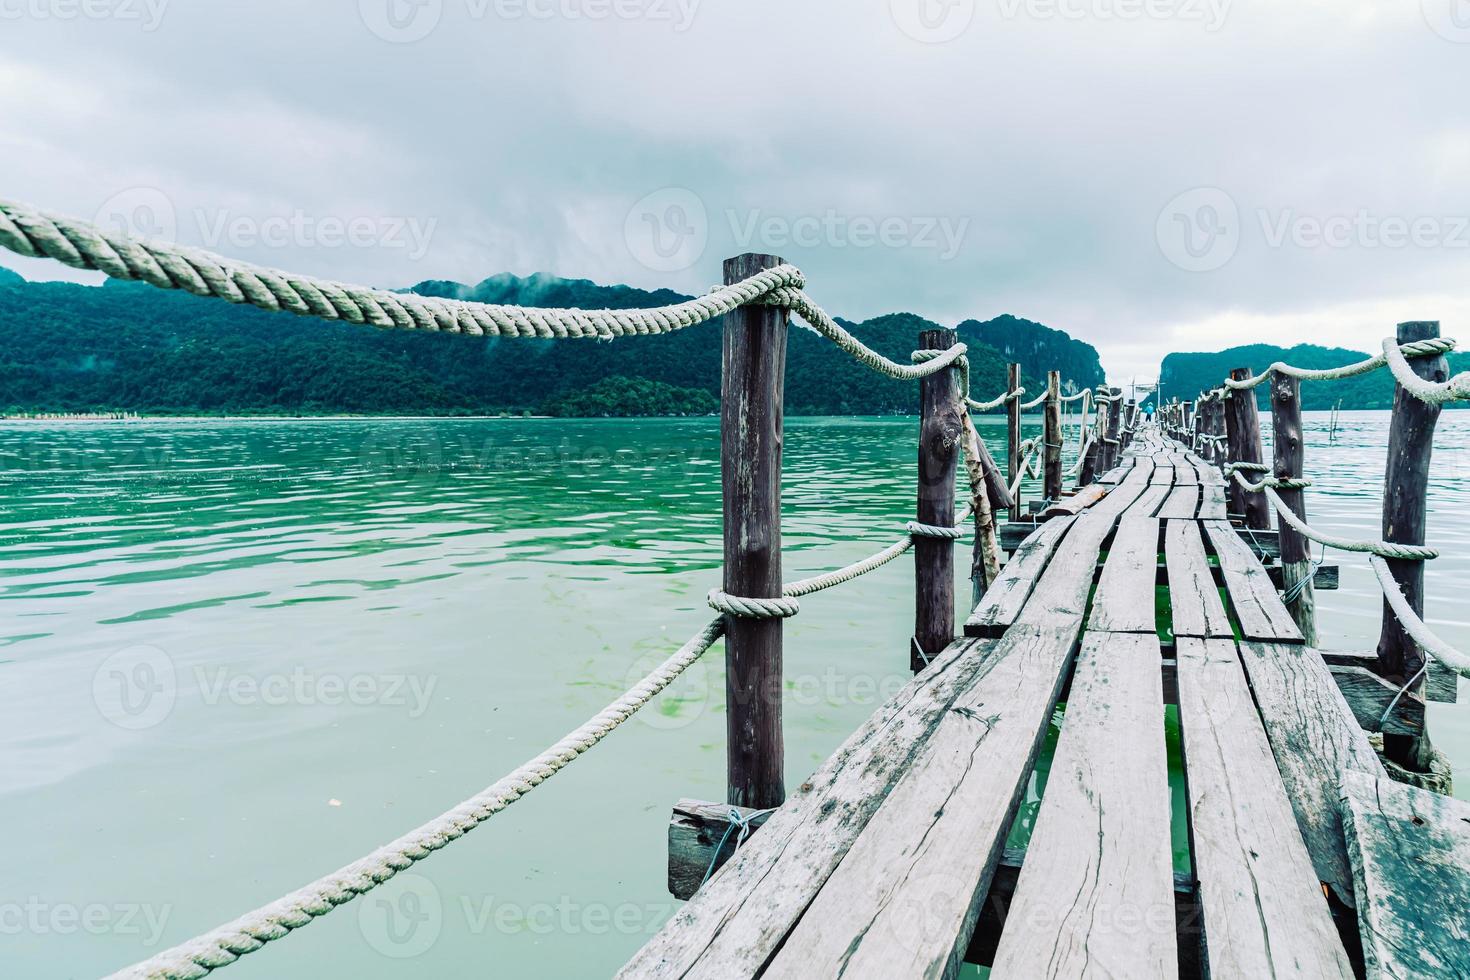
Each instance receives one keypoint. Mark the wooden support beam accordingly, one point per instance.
(1406, 488)
(940, 427)
(1013, 436)
(1296, 564)
(1243, 429)
(751, 389)
(1052, 433)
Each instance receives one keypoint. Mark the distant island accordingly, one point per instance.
(128, 347)
(1184, 376)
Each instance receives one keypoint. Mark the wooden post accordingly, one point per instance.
(1296, 565)
(1243, 432)
(751, 389)
(1186, 410)
(1130, 419)
(1013, 438)
(1115, 426)
(1052, 433)
(1406, 490)
(940, 426)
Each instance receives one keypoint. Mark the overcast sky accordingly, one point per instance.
(1147, 175)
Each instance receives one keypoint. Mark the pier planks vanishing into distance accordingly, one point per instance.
(884, 863)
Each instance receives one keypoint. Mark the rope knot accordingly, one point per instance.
(744, 607)
(919, 530)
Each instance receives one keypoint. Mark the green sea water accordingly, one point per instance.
(235, 655)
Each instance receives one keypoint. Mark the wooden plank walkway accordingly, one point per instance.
(881, 863)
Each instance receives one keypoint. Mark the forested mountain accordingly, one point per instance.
(1184, 376)
(1038, 348)
(130, 347)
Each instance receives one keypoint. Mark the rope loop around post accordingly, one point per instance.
(919, 530)
(745, 607)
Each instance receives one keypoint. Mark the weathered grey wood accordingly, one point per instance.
(737, 920)
(1207, 473)
(696, 829)
(1061, 594)
(753, 373)
(1212, 503)
(1314, 739)
(1124, 602)
(1185, 473)
(1193, 596)
(1369, 697)
(1243, 427)
(1006, 596)
(1405, 513)
(1163, 473)
(1410, 850)
(1095, 895)
(1183, 503)
(1013, 435)
(940, 425)
(1442, 685)
(1052, 432)
(905, 899)
(1149, 502)
(1253, 598)
(1080, 500)
(1289, 449)
(1264, 911)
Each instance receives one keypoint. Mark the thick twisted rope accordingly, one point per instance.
(747, 607)
(1418, 348)
(1432, 393)
(1421, 634)
(223, 946)
(39, 234)
(1383, 549)
(1030, 450)
(1033, 402)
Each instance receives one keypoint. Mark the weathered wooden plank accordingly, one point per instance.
(1124, 602)
(696, 829)
(1185, 473)
(1080, 500)
(1003, 601)
(1208, 473)
(1061, 593)
(742, 914)
(1193, 596)
(1095, 895)
(1264, 911)
(1257, 607)
(907, 894)
(1149, 502)
(1212, 503)
(1315, 740)
(1442, 685)
(1162, 473)
(1183, 503)
(1410, 850)
(1369, 696)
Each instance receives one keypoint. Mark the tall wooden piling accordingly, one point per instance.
(1243, 439)
(1296, 565)
(940, 428)
(1052, 434)
(751, 389)
(1406, 489)
(1115, 426)
(1014, 460)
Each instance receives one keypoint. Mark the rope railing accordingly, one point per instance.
(1428, 640)
(1382, 549)
(250, 932)
(1418, 348)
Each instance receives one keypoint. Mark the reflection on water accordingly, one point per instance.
(236, 655)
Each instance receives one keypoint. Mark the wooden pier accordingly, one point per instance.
(1132, 595)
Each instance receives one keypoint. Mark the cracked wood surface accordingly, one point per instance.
(1264, 912)
(1096, 892)
(1193, 596)
(1125, 592)
(906, 896)
(1006, 596)
(1410, 852)
(1258, 608)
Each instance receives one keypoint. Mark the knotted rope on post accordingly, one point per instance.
(1418, 348)
(919, 530)
(746, 607)
(1429, 392)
